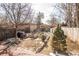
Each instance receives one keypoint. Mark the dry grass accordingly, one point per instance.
(28, 43)
(72, 46)
(34, 44)
(31, 44)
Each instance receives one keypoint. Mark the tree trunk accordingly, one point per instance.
(43, 46)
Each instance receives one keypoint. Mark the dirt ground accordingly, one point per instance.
(29, 45)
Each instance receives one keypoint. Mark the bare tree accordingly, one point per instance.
(77, 14)
(17, 13)
(67, 10)
(52, 21)
(38, 19)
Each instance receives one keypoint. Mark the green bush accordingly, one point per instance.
(59, 40)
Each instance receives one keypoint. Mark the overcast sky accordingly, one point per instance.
(46, 8)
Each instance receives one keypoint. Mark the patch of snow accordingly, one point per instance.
(56, 54)
(40, 42)
(52, 54)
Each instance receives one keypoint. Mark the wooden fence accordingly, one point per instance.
(6, 33)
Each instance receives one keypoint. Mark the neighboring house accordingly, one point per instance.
(27, 27)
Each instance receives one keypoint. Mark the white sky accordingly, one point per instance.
(46, 8)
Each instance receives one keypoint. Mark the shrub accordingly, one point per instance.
(59, 40)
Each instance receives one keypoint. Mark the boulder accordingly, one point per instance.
(21, 34)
